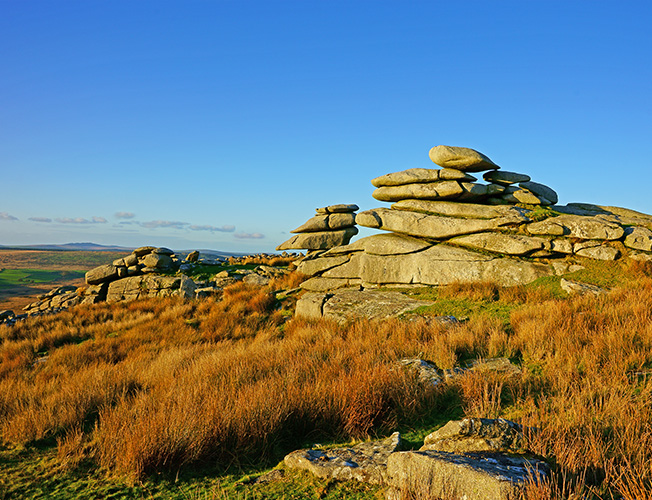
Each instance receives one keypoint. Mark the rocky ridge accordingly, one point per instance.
(443, 227)
(149, 272)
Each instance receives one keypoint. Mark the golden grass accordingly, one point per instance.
(161, 383)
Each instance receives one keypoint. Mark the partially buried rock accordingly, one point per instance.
(472, 476)
(465, 159)
(366, 462)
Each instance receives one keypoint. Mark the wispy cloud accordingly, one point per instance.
(125, 215)
(6, 216)
(224, 229)
(80, 220)
(164, 223)
(249, 236)
(40, 219)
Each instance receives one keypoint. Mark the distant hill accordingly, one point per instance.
(94, 247)
(70, 246)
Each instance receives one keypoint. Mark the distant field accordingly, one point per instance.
(55, 260)
(24, 274)
(13, 277)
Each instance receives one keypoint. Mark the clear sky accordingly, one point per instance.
(223, 124)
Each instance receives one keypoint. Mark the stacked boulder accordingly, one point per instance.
(333, 226)
(444, 227)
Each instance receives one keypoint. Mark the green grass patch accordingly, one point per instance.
(37, 474)
(13, 277)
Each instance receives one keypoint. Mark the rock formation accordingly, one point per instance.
(445, 227)
(152, 272)
(333, 226)
(476, 459)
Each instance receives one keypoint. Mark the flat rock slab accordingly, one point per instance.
(337, 209)
(465, 159)
(578, 226)
(413, 175)
(366, 462)
(462, 210)
(476, 476)
(439, 265)
(350, 304)
(320, 240)
(429, 226)
(326, 222)
(504, 177)
(509, 244)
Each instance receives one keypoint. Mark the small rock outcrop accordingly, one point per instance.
(155, 272)
(472, 476)
(444, 227)
(484, 466)
(365, 462)
(333, 226)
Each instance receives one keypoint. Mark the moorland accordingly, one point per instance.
(166, 398)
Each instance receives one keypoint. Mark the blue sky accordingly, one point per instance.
(224, 124)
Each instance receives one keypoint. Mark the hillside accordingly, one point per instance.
(169, 398)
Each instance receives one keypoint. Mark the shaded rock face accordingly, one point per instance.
(445, 228)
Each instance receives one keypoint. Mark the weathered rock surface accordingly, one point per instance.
(421, 175)
(527, 197)
(319, 240)
(428, 226)
(366, 462)
(504, 177)
(475, 476)
(426, 191)
(138, 287)
(439, 265)
(638, 238)
(326, 222)
(509, 244)
(334, 209)
(324, 284)
(575, 226)
(347, 305)
(333, 226)
(392, 244)
(477, 434)
(465, 159)
(101, 274)
(540, 190)
(576, 288)
(462, 210)
(311, 267)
